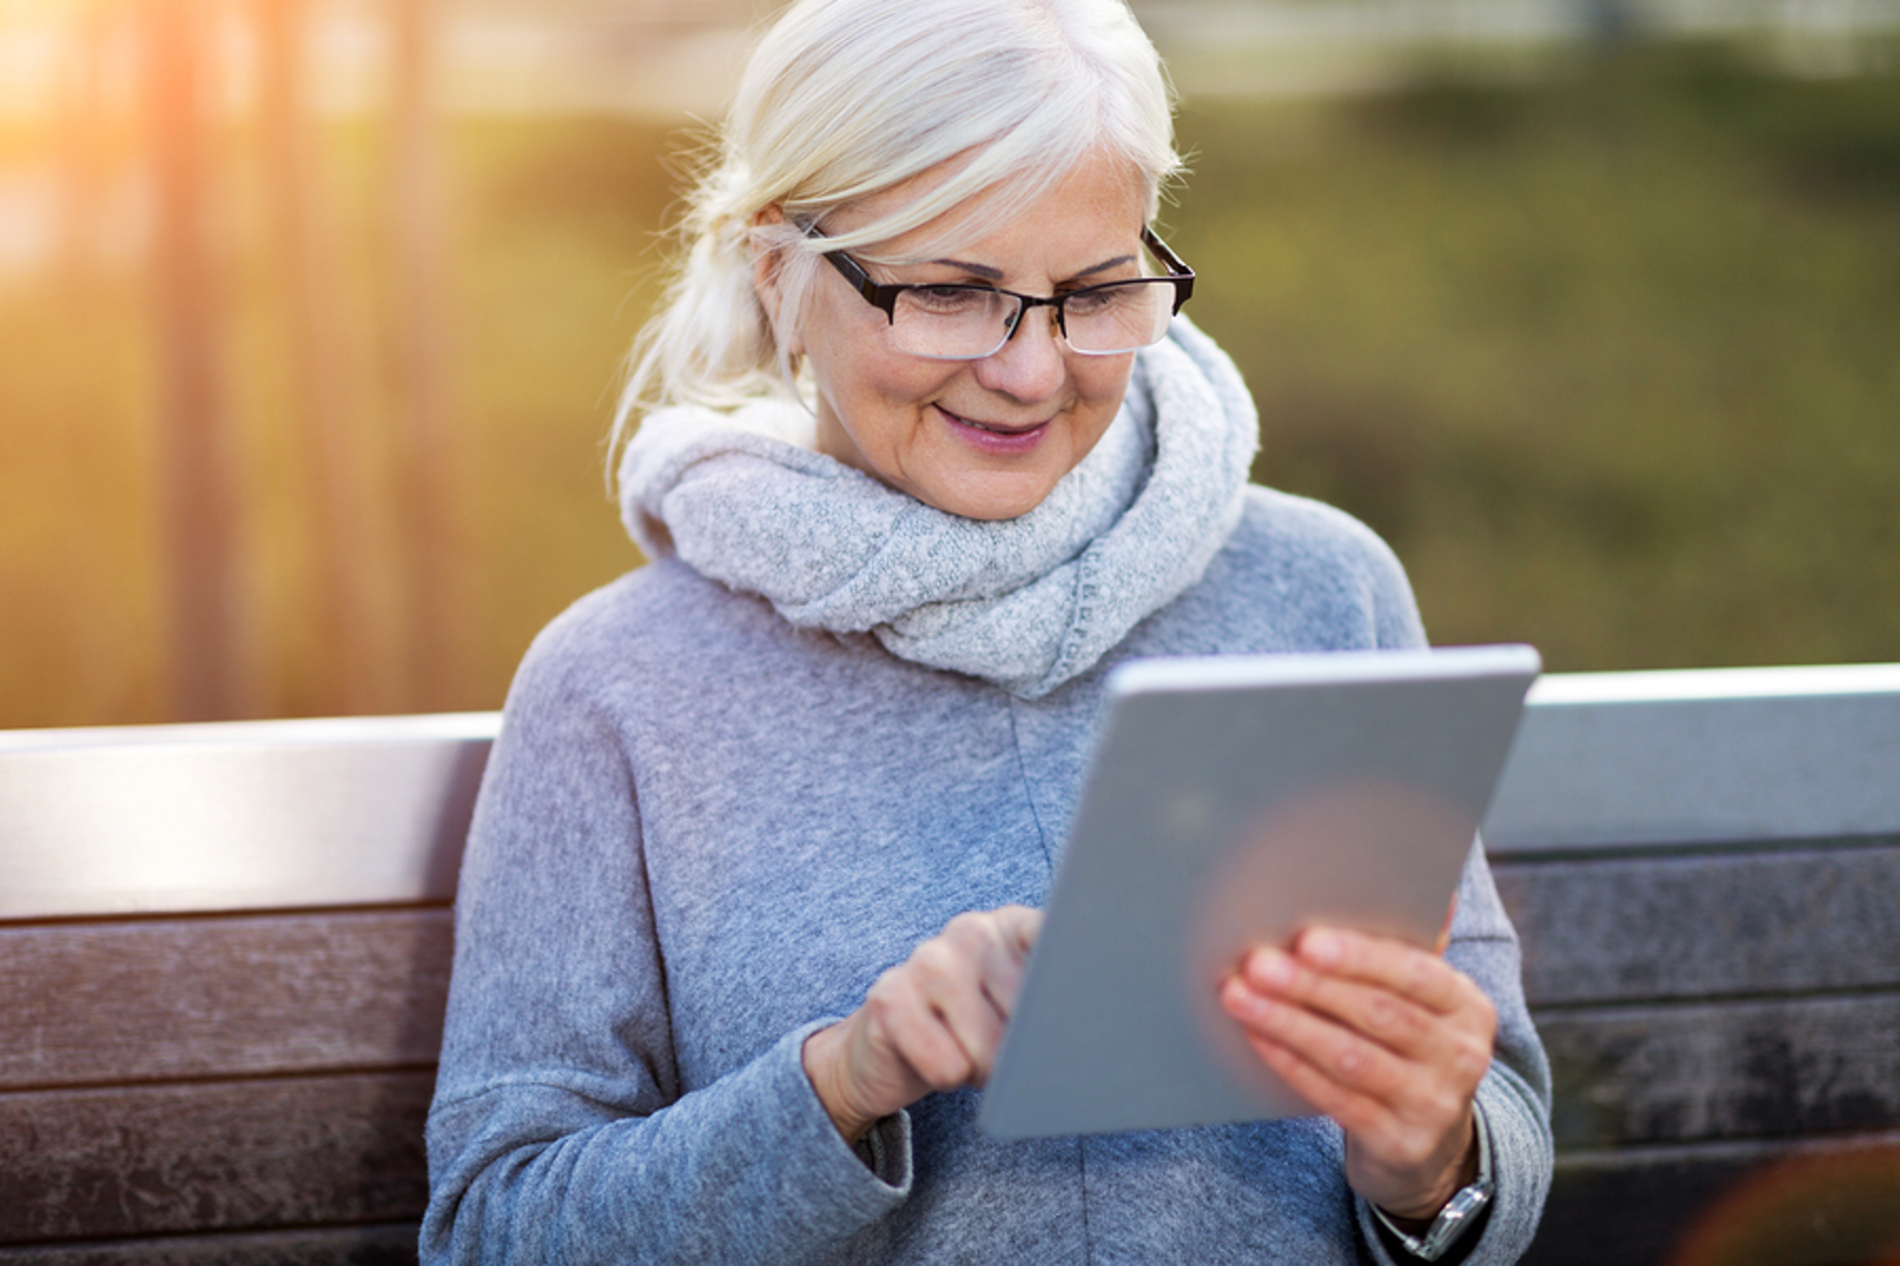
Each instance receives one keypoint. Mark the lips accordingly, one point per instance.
(993, 428)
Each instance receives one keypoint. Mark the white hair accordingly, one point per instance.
(842, 99)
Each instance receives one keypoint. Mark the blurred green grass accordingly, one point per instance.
(1613, 360)
(1609, 357)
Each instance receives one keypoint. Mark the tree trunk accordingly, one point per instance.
(82, 147)
(328, 431)
(422, 347)
(197, 492)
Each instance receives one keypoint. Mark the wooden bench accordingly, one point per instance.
(224, 948)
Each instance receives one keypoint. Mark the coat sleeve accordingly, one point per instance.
(559, 1131)
(1515, 1093)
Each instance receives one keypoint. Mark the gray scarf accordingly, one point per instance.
(1027, 602)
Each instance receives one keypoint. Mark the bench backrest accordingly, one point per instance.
(224, 951)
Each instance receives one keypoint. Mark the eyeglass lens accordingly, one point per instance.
(971, 322)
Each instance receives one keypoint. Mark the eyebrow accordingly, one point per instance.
(996, 274)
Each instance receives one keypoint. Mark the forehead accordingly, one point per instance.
(1098, 203)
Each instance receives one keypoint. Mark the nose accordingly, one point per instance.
(1031, 365)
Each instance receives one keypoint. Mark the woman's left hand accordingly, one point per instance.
(1387, 1039)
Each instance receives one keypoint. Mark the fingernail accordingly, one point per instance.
(1321, 947)
(1270, 969)
(1243, 1003)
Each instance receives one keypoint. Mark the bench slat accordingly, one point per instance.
(255, 815)
(1626, 930)
(164, 999)
(391, 1244)
(274, 1153)
(1759, 1070)
(1707, 754)
(153, 819)
(1827, 1203)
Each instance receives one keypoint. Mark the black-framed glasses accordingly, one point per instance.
(969, 322)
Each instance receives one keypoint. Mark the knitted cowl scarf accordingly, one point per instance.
(1027, 602)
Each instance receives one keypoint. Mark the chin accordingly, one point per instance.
(1006, 499)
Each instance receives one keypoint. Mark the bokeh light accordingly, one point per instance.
(311, 315)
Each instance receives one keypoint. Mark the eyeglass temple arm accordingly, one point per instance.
(881, 297)
(1178, 272)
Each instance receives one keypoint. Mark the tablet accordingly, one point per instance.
(1233, 800)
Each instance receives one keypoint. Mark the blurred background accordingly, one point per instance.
(312, 314)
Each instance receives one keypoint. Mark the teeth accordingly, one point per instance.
(994, 430)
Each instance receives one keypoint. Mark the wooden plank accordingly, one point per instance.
(1609, 759)
(1627, 930)
(1829, 1203)
(275, 1153)
(164, 999)
(1683, 1073)
(391, 1244)
(284, 814)
(241, 816)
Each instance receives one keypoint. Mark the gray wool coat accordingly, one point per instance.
(703, 833)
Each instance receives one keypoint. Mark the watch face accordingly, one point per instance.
(1453, 1220)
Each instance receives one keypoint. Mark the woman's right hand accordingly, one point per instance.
(933, 1022)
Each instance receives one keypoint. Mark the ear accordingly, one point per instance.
(767, 261)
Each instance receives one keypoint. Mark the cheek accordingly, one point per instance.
(845, 346)
(1101, 383)
(866, 387)
(859, 373)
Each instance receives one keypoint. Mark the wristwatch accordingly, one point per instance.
(1459, 1212)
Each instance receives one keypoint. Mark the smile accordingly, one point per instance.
(993, 428)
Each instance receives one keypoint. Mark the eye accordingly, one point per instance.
(950, 300)
(1096, 300)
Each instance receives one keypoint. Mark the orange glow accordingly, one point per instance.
(1839, 1206)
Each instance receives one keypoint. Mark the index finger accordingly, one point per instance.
(1020, 924)
(1404, 969)
(994, 946)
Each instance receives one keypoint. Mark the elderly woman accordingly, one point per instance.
(925, 451)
